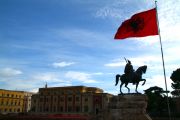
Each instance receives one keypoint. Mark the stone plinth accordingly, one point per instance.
(127, 107)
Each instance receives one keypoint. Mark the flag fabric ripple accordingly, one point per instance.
(139, 25)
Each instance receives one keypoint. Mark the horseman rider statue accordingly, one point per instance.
(128, 70)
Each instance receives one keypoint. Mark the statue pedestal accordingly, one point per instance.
(128, 107)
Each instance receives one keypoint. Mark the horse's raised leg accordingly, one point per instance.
(144, 81)
(121, 87)
(137, 87)
(127, 87)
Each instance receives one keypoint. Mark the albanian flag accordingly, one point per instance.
(139, 25)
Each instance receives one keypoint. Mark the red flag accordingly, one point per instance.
(139, 25)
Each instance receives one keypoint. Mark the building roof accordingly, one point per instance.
(83, 89)
(16, 91)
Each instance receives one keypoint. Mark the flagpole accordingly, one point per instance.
(162, 55)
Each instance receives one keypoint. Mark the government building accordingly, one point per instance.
(70, 100)
(12, 101)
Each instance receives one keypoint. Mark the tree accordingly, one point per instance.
(175, 77)
(156, 100)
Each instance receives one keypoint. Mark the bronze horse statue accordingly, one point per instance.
(136, 78)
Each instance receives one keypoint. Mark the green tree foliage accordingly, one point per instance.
(157, 101)
(175, 77)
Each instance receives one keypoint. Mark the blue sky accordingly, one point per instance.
(70, 42)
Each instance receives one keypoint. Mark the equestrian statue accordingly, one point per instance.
(131, 76)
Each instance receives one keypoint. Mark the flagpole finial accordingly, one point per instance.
(156, 3)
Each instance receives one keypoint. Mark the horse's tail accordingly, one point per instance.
(117, 79)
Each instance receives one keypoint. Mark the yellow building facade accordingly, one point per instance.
(70, 99)
(14, 101)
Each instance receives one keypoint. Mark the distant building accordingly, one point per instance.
(27, 101)
(12, 101)
(71, 99)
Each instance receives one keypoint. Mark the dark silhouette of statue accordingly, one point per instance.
(131, 76)
(128, 70)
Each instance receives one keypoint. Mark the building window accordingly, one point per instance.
(77, 108)
(2, 102)
(61, 109)
(78, 92)
(69, 108)
(47, 109)
(41, 99)
(54, 99)
(62, 99)
(41, 93)
(69, 92)
(54, 108)
(70, 99)
(77, 99)
(86, 108)
(86, 99)
(41, 109)
(33, 109)
(62, 92)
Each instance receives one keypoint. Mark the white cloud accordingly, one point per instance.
(158, 80)
(117, 9)
(47, 77)
(80, 76)
(62, 64)
(137, 61)
(66, 83)
(19, 84)
(34, 90)
(9, 72)
(108, 12)
(85, 37)
(115, 64)
(98, 73)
